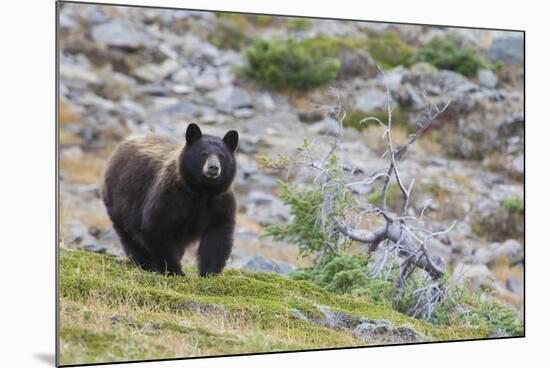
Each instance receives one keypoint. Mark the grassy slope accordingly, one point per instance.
(111, 310)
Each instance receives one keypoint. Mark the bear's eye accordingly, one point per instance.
(222, 156)
(204, 153)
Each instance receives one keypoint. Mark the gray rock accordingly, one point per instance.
(370, 100)
(335, 319)
(438, 249)
(73, 153)
(478, 275)
(162, 103)
(261, 198)
(118, 33)
(183, 109)
(487, 78)
(156, 72)
(181, 76)
(243, 113)
(327, 126)
(77, 234)
(515, 285)
(355, 63)
(260, 263)
(508, 48)
(95, 248)
(266, 208)
(133, 109)
(310, 116)
(194, 47)
(181, 89)
(153, 89)
(518, 164)
(267, 101)
(483, 256)
(297, 313)
(229, 98)
(379, 330)
(150, 326)
(168, 51)
(208, 82)
(79, 73)
(511, 249)
(439, 162)
(513, 125)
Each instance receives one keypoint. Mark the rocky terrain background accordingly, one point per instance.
(130, 71)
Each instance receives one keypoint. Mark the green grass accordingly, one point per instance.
(112, 310)
(513, 204)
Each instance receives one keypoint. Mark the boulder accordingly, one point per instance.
(260, 263)
(508, 48)
(487, 78)
(118, 33)
(511, 249)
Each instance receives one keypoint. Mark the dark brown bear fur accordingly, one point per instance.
(162, 196)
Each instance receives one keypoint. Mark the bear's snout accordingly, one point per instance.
(212, 167)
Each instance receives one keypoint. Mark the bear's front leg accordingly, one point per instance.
(214, 248)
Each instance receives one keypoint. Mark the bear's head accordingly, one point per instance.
(207, 163)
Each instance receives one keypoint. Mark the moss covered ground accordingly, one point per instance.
(112, 310)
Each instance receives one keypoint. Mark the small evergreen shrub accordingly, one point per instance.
(283, 64)
(389, 50)
(513, 204)
(339, 273)
(312, 236)
(448, 53)
(299, 24)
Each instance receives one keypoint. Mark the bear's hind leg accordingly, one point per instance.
(135, 252)
(170, 263)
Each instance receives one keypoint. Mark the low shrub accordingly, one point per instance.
(298, 24)
(288, 64)
(389, 50)
(513, 204)
(449, 53)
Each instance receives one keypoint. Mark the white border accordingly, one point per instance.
(27, 181)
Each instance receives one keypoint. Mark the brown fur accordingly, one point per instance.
(160, 201)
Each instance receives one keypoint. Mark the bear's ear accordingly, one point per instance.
(193, 134)
(231, 139)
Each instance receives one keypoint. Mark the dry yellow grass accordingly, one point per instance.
(502, 269)
(373, 136)
(83, 170)
(67, 138)
(66, 115)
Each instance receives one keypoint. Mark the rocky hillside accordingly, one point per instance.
(128, 71)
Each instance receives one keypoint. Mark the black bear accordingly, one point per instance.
(162, 196)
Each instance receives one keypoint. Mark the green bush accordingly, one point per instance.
(306, 230)
(299, 24)
(389, 50)
(285, 64)
(462, 307)
(341, 274)
(513, 204)
(448, 53)
(229, 35)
